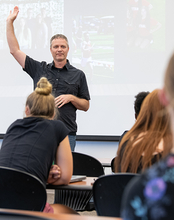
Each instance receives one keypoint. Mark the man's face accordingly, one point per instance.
(59, 49)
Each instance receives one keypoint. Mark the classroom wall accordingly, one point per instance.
(98, 149)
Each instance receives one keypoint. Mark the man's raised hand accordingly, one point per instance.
(13, 14)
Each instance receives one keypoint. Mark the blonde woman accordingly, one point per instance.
(32, 144)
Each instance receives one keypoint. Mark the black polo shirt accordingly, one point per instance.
(67, 80)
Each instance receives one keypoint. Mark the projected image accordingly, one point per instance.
(93, 47)
(36, 23)
(145, 24)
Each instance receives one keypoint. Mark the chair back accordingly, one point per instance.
(107, 193)
(113, 165)
(84, 164)
(21, 190)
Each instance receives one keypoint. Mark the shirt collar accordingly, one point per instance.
(67, 65)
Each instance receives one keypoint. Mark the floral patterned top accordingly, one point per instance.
(150, 196)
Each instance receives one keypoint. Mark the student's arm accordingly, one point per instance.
(11, 38)
(64, 161)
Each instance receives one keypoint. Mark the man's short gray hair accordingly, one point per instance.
(57, 36)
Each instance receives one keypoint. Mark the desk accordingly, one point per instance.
(56, 216)
(74, 195)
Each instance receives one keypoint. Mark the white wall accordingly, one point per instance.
(98, 149)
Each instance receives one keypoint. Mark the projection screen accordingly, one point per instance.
(122, 46)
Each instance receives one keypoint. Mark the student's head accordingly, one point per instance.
(167, 94)
(152, 116)
(138, 102)
(41, 101)
(59, 36)
(152, 112)
(169, 80)
(153, 123)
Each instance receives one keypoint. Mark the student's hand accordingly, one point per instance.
(54, 174)
(13, 15)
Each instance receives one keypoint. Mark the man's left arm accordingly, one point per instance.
(79, 103)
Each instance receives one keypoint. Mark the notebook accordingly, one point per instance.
(76, 178)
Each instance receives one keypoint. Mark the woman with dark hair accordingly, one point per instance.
(148, 140)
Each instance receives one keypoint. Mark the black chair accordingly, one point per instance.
(107, 193)
(113, 165)
(21, 190)
(77, 199)
(84, 164)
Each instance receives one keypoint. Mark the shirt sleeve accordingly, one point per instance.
(83, 89)
(30, 66)
(61, 129)
(34, 68)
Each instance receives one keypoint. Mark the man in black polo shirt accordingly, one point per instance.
(69, 84)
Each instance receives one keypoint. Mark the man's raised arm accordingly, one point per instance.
(11, 38)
